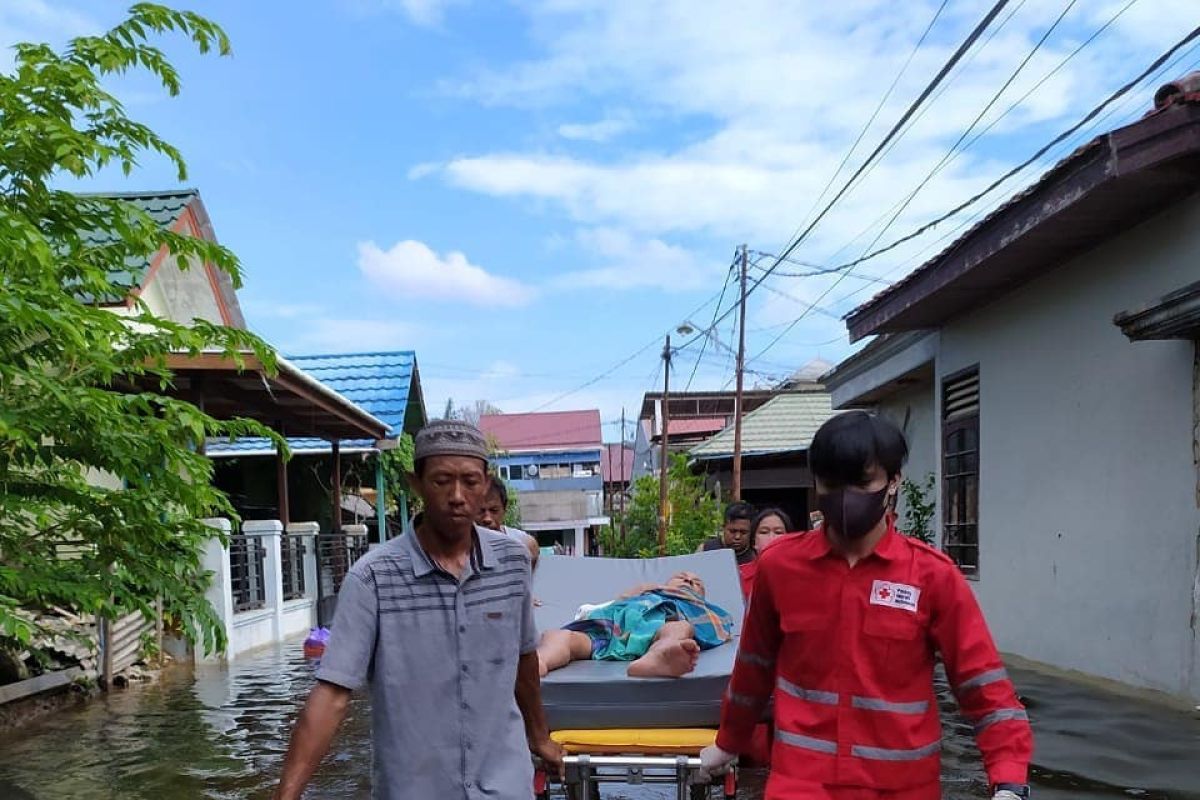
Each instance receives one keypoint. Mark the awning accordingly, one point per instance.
(290, 401)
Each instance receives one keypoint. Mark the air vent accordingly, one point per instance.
(960, 396)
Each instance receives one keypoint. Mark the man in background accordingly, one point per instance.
(736, 534)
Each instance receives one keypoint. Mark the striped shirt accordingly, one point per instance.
(440, 656)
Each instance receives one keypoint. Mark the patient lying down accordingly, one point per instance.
(660, 628)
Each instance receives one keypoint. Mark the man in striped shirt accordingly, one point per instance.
(438, 624)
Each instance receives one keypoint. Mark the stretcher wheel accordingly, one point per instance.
(699, 791)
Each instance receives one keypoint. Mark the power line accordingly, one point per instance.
(978, 118)
(1158, 62)
(716, 310)
(1035, 157)
(891, 134)
(879, 107)
(983, 132)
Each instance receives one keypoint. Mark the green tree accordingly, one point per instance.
(919, 505)
(63, 355)
(694, 515)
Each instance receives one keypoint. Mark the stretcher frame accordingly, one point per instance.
(585, 773)
(588, 767)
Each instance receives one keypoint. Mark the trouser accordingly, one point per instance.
(815, 791)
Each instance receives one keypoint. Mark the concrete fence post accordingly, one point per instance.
(307, 532)
(220, 591)
(269, 532)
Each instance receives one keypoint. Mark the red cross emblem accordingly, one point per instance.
(884, 593)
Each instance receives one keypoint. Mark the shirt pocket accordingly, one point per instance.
(895, 643)
(494, 629)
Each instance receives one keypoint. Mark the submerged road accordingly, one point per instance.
(220, 733)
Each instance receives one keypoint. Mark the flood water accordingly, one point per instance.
(220, 733)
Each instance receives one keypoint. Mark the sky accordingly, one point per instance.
(531, 194)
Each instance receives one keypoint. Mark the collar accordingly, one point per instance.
(483, 553)
(889, 548)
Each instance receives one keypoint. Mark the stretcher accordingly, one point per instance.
(617, 729)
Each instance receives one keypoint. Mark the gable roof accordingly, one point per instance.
(785, 424)
(387, 385)
(167, 208)
(1105, 187)
(551, 430)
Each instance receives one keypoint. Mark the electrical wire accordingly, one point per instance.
(716, 310)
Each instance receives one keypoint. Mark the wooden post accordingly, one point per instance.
(281, 485)
(737, 398)
(380, 498)
(665, 456)
(335, 478)
(621, 484)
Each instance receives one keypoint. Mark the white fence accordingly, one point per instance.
(264, 586)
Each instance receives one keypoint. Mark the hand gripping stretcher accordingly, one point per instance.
(618, 729)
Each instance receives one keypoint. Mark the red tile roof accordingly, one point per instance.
(610, 466)
(554, 430)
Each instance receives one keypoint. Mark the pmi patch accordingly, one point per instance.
(895, 595)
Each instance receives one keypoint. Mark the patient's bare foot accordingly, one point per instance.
(667, 658)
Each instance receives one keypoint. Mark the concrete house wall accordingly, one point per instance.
(1088, 521)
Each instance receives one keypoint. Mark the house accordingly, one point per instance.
(553, 460)
(1046, 372)
(388, 386)
(694, 417)
(181, 295)
(775, 440)
(617, 471)
(645, 454)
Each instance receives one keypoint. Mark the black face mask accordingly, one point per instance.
(852, 514)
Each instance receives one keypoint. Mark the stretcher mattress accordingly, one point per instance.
(598, 694)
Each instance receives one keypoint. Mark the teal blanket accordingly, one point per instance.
(623, 630)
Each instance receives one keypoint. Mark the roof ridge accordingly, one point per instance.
(376, 354)
(186, 191)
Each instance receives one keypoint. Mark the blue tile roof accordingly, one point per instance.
(386, 385)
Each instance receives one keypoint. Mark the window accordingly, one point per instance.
(960, 469)
(515, 472)
(503, 472)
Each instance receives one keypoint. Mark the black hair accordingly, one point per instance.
(849, 444)
(736, 511)
(497, 486)
(771, 512)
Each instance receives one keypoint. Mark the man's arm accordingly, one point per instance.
(981, 684)
(528, 691)
(345, 666)
(318, 722)
(639, 589)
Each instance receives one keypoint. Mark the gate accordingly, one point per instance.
(336, 552)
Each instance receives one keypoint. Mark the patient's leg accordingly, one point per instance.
(559, 648)
(673, 654)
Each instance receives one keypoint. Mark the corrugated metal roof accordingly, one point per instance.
(164, 207)
(550, 430)
(384, 384)
(785, 423)
(695, 425)
(610, 467)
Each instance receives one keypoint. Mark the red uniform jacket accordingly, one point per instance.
(851, 654)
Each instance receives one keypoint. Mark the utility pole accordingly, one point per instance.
(624, 487)
(664, 456)
(741, 370)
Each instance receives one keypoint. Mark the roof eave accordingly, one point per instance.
(1105, 187)
(1175, 316)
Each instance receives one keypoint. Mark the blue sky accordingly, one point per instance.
(528, 192)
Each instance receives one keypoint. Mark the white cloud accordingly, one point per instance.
(39, 21)
(411, 269)
(631, 262)
(601, 131)
(774, 93)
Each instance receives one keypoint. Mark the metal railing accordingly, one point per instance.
(247, 573)
(292, 549)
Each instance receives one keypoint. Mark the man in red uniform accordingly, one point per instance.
(844, 626)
